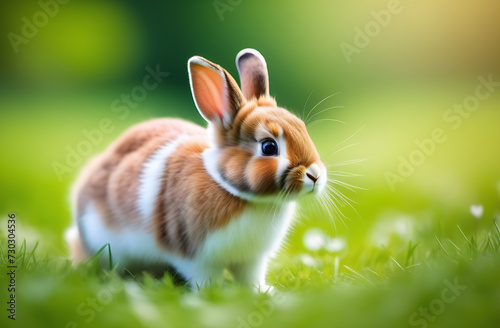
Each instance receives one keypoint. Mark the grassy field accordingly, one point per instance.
(402, 100)
(418, 257)
(435, 283)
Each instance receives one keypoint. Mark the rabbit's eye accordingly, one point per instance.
(269, 147)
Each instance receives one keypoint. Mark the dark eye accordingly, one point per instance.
(269, 147)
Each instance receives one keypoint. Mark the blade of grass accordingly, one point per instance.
(442, 247)
(463, 234)
(410, 252)
(392, 258)
(99, 252)
(458, 248)
(31, 255)
(359, 275)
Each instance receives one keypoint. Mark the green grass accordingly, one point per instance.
(399, 253)
(382, 287)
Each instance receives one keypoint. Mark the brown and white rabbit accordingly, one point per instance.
(169, 192)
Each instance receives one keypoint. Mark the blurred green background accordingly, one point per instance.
(63, 72)
(399, 69)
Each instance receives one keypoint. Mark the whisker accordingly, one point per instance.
(347, 199)
(335, 208)
(334, 193)
(335, 197)
(323, 120)
(322, 200)
(352, 135)
(345, 147)
(298, 220)
(267, 205)
(346, 185)
(348, 162)
(323, 110)
(305, 105)
(321, 101)
(325, 206)
(343, 174)
(276, 203)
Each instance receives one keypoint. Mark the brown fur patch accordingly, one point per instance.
(274, 128)
(110, 181)
(259, 177)
(233, 137)
(191, 203)
(300, 148)
(293, 180)
(301, 151)
(260, 174)
(232, 166)
(241, 128)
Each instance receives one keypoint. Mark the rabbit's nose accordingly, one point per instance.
(313, 172)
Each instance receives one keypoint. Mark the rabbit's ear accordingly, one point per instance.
(215, 92)
(252, 68)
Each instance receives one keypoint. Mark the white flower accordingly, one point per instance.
(308, 260)
(335, 244)
(477, 211)
(314, 239)
(392, 225)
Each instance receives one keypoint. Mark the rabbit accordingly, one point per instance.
(168, 192)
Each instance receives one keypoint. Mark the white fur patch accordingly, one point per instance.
(283, 164)
(210, 160)
(247, 242)
(150, 178)
(71, 234)
(250, 240)
(125, 243)
(253, 52)
(259, 230)
(137, 246)
(129, 245)
(283, 161)
(309, 186)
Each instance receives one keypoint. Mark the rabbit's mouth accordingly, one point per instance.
(301, 180)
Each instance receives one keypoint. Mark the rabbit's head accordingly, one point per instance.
(257, 149)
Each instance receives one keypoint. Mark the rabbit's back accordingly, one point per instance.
(121, 184)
